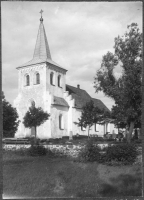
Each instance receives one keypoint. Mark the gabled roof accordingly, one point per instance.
(100, 104)
(82, 97)
(38, 61)
(60, 101)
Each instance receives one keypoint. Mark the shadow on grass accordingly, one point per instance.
(123, 185)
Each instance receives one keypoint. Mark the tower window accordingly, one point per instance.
(52, 78)
(59, 81)
(37, 78)
(31, 103)
(27, 80)
(61, 122)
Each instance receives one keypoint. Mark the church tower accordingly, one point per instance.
(40, 82)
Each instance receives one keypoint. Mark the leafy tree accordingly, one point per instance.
(125, 90)
(91, 115)
(142, 118)
(10, 118)
(35, 117)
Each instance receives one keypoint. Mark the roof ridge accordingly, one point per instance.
(96, 99)
(76, 87)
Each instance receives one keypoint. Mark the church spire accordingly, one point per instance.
(42, 50)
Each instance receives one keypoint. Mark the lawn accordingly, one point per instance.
(25, 176)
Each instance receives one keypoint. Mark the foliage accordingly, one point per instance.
(120, 154)
(126, 89)
(89, 153)
(91, 115)
(35, 117)
(34, 141)
(37, 150)
(10, 118)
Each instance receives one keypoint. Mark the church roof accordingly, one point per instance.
(82, 97)
(41, 52)
(100, 104)
(60, 101)
(38, 61)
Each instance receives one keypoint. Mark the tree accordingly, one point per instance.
(10, 118)
(90, 115)
(142, 118)
(125, 90)
(35, 117)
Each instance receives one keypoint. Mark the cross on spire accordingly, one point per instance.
(41, 19)
(41, 12)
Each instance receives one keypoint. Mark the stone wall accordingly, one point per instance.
(69, 150)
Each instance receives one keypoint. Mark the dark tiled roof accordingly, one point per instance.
(100, 104)
(60, 101)
(82, 97)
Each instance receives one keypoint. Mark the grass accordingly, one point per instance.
(25, 176)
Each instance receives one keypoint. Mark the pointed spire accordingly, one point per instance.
(42, 50)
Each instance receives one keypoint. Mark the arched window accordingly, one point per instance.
(61, 122)
(59, 81)
(31, 103)
(37, 78)
(27, 80)
(52, 78)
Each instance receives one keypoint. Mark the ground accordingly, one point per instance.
(25, 176)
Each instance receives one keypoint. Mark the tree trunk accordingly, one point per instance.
(35, 132)
(88, 132)
(35, 136)
(129, 136)
(142, 117)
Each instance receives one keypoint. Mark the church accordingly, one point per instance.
(42, 83)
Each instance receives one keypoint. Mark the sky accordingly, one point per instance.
(79, 35)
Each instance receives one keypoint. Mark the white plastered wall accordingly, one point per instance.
(38, 94)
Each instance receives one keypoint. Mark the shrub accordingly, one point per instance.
(37, 150)
(90, 152)
(123, 153)
(97, 139)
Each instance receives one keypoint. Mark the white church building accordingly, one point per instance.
(42, 82)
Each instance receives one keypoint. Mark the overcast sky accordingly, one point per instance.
(78, 33)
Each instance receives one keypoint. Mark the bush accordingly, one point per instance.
(90, 153)
(79, 137)
(37, 150)
(97, 139)
(123, 153)
(8, 134)
(120, 154)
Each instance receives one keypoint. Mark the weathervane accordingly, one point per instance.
(41, 19)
